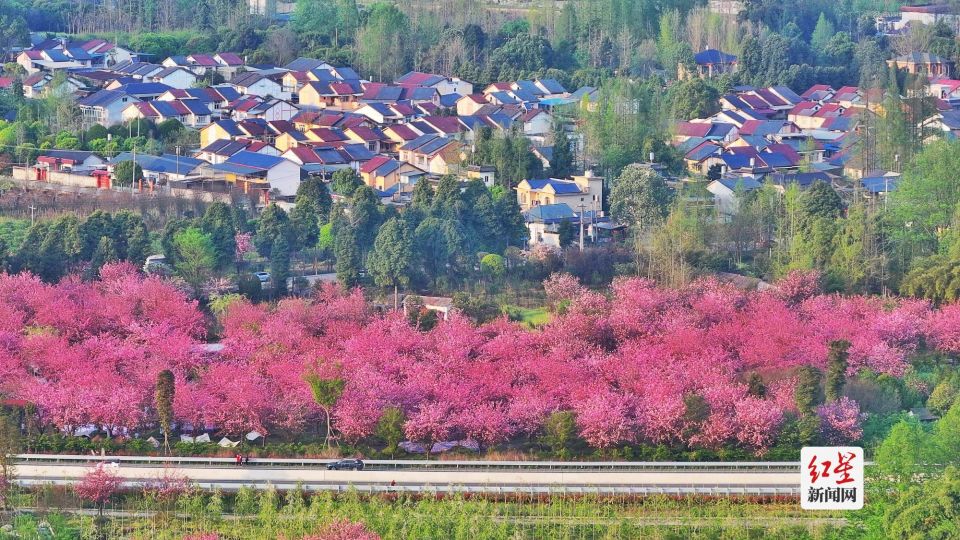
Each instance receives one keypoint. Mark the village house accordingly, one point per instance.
(581, 191)
(253, 171)
(709, 63)
(166, 168)
(104, 107)
(336, 94)
(255, 83)
(432, 153)
(727, 192)
(390, 175)
(42, 83)
(443, 85)
(174, 77)
(926, 64)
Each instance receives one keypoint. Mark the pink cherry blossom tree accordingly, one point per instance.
(97, 486)
(342, 529)
(840, 421)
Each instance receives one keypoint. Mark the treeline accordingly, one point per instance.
(70, 245)
(906, 242)
(438, 241)
(53, 122)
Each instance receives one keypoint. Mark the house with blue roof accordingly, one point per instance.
(880, 185)
(544, 223)
(104, 107)
(432, 153)
(260, 172)
(159, 170)
(710, 63)
(144, 91)
(580, 192)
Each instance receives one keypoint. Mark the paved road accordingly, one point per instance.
(670, 480)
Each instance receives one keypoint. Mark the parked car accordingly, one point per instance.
(346, 465)
(264, 277)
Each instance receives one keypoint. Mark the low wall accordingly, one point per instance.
(55, 177)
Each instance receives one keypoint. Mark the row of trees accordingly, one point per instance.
(907, 242)
(55, 248)
(706, 366)
(437, 240)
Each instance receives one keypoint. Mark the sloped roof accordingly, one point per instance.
(254, 160)
(547, 213)
(102, 98)
(420, 79)
(713, 56)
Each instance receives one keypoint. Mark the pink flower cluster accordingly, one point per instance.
(624, 363)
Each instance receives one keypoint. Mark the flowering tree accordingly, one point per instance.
(98, 486)
(342, 529)
(840, 421)
(635, 364)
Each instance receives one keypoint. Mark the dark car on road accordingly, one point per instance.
(346, 465)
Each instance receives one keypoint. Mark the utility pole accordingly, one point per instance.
(32, 216)
(582, 207)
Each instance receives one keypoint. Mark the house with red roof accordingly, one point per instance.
(372, 138)
(469, 105)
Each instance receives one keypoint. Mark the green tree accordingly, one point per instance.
(346, 250)
(390, 428)
(381, 42)
(900, 457)
(926, 197)
(820, 201)
(561, 161)
(365, 217)
(822, 34)
(494, 266)
(196, 257)
(345, 182)
(945, 394)
(218, 222)
(836, 369)
(305, 221)
(127, 173)
(695, 98)
(272, 224)
(10, 445)
(280, 266)
(326, 392)
(105, 253)
(807, 392)
(930, 511)
(163, 402)
(559, 430)
(640, 197)
(391, 259)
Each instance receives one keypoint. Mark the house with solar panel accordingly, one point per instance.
(585, 191)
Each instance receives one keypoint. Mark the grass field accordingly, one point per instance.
(532, 317)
